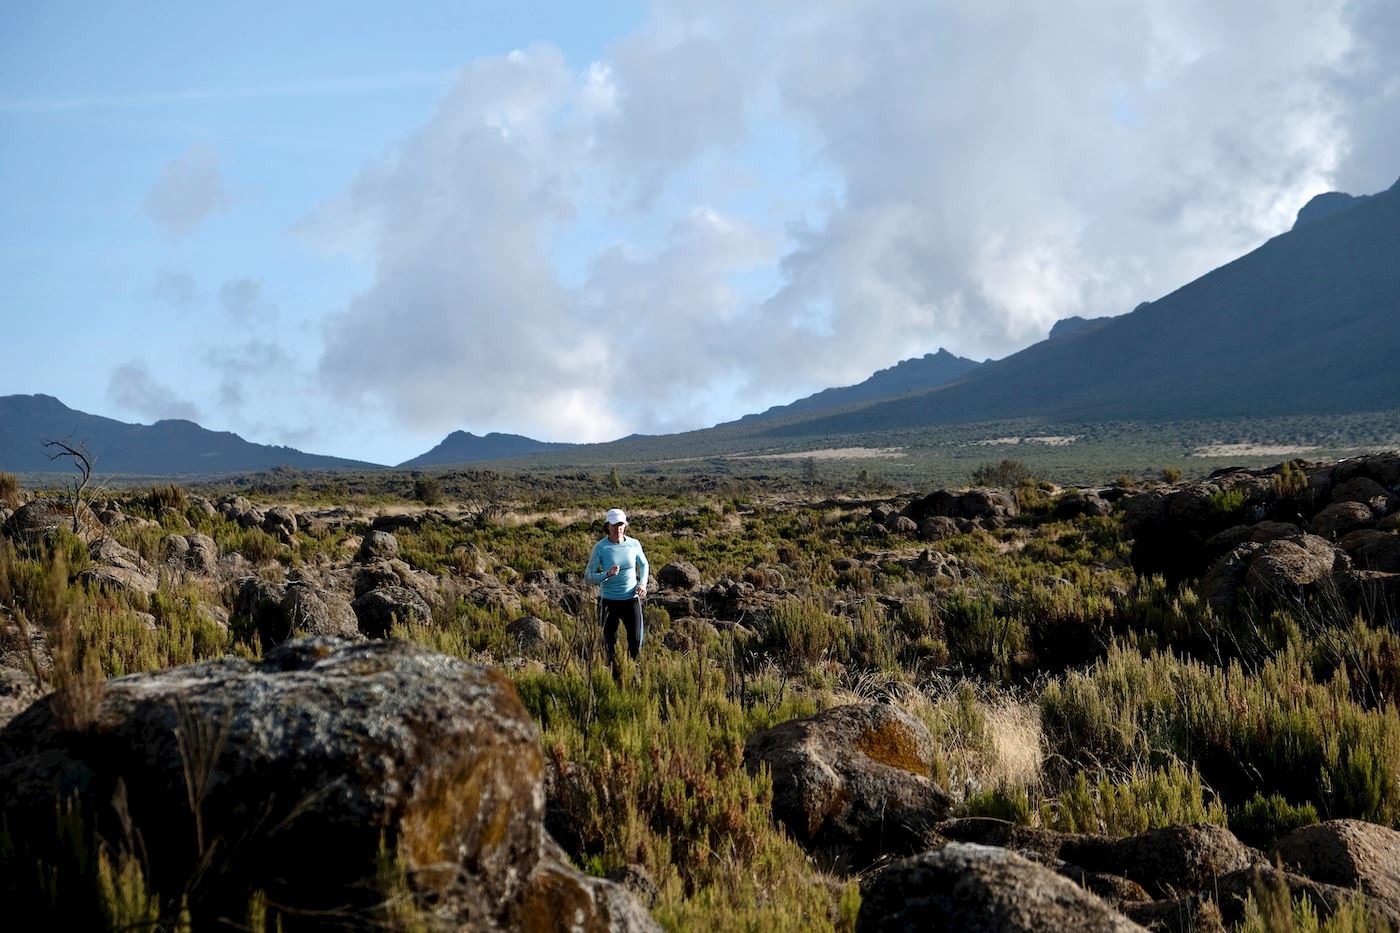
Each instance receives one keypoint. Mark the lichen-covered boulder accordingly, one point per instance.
(854, 782)
(299, 776)
(41, 519)
(968, 887)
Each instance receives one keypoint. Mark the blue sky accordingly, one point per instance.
(355, 227)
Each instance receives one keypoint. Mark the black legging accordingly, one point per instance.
(629, 613)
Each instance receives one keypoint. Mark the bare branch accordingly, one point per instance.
(82, 461)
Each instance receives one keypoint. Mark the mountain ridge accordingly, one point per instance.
(1308, 322)
(167, 447)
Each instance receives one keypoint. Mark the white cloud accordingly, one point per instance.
(580, 253)
(133, 387)
(188, 191)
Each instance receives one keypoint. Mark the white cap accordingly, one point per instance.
(616, 517)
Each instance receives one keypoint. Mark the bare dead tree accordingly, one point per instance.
(82, 462)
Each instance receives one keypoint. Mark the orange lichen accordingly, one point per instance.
(891, 744)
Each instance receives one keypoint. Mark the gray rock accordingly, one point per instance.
(203, 554)
(1235, 888)
(1075, 504)
(18, 689)
(938, 527)
(980, 889)
(378, 545)
(280, 522)
(379, 610)
(118, 568)
(903, 525)
(679, 575)
(1348, 854)
(532, 634)
(1180, 858)
(309, 611)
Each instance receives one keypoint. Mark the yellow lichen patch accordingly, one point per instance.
(891, 744)
(557, 899)
(464, 815)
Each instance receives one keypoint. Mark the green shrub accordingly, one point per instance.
(1008, 474)
(1160, 797)
(1262, 821)
(1012, 804)
(427, 490)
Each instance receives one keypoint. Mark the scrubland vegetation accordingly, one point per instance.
(1064, 690)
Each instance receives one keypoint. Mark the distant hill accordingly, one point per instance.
(164, 448)
(912, 375)
(465, 447)
(1308, 323)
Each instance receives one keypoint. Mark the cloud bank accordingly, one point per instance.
(744, 203)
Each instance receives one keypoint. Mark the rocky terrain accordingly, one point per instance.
(912, 711)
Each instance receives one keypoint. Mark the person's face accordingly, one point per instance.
(615, 532)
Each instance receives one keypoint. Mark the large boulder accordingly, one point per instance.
(532, 634)
(854, 782)
(18, 689)
(1372, 592)
(379, 610)
(281, 523)
(969, 887)
(1368, 492)
(260, 602)
(1373, 550)
(1236, 888)
(1288, 565)
(308, 610)
(298, 776)
(679, 575)
(1074, 504)
(1349, 854)
(41, 519)
(991, 507)
(377, 546)
(115, 567)
(1340, 518)
(1174, 858)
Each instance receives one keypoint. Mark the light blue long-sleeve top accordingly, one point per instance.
(631, 562)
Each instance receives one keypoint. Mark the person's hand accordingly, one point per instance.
(641, 592)
(612, 571)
